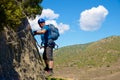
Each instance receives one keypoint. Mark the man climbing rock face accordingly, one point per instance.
(49, 44)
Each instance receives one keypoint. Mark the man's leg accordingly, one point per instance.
(51, 64)
(46, 65)
(45, 59)
(49, 54)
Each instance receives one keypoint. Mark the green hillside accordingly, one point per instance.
(96, 54)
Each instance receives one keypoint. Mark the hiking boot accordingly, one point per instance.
(46, 69)
(49, 73)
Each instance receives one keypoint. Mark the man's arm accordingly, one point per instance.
(41, 31)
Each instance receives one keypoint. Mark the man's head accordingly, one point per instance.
(41, 22)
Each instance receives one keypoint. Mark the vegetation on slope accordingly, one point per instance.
(96, 54)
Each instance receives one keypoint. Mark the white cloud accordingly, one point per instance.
(49, 14)
(50, 17)
(92, 19)
(63, 27)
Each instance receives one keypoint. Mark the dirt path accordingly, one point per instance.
(102, 73)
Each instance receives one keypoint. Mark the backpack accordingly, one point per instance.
(54, 32)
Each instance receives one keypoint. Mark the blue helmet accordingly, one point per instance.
(41, 20)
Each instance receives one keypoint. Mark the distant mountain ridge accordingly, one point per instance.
(95, 54)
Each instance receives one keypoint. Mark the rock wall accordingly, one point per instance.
(19, 56)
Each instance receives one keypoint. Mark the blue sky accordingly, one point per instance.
(81, 21)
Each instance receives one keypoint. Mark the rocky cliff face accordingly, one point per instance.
(19, 56)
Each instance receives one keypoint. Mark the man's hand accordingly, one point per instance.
(34, 32)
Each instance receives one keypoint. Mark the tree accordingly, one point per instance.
(13, 11)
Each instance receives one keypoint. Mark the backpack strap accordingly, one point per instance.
(42, 44)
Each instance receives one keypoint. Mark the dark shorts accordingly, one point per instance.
(48, 52)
